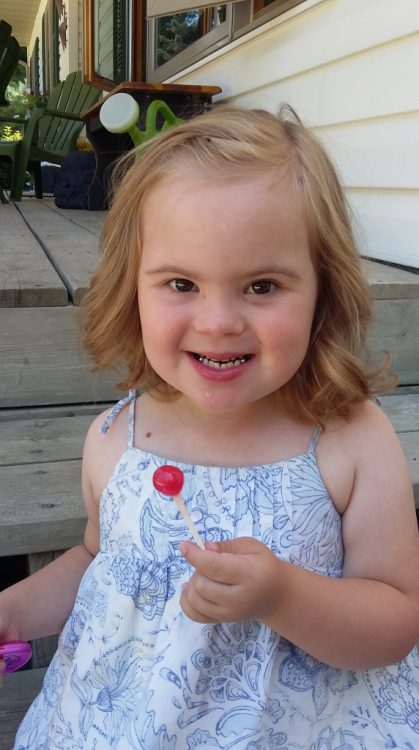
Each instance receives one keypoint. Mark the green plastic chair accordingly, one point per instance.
(9, 58)
(49, 134)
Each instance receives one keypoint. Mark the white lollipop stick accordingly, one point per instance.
(186, 515)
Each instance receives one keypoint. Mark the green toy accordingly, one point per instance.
(120, 113)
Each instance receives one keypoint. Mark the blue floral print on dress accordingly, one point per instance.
(132, 672)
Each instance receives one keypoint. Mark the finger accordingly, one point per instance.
(222, 567)
(194, 611)
(243, 545)
(212, 592)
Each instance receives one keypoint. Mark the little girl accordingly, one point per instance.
(230, 292)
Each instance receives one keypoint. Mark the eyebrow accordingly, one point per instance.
(181, 272)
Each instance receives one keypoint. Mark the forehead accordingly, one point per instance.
(231, 222)
(250, 195)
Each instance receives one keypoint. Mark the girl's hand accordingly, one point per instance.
(234, 580)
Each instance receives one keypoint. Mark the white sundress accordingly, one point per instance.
(133, 672)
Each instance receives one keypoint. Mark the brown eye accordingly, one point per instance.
(264, 286)
(182, 285)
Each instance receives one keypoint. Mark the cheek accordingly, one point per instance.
(159, 325)
(289, 330)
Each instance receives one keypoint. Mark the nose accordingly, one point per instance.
(219, 315)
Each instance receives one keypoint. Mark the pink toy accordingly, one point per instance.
(15, 654)
(169, 481)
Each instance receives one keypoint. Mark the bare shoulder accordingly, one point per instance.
(378, 520)
(372, 444)
(102, 450)
(352, 449)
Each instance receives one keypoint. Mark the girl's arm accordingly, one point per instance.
(368, 618)
(40, 604)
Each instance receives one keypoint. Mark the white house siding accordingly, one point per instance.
(349, 68)
(37, 32)
(72, 56)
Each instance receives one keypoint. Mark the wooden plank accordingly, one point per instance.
(410, 444)
(41, 360)
(20, 689)
(388, 282)
(403, 411)
(72, 249)
(396, 329)
(41, 507)
(27, 278)
(29, 441)
(54, 412)
(92, 221)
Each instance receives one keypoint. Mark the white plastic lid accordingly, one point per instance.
(119, 113)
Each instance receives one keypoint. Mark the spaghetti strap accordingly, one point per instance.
(315, 439)
(131, 418)
(130, 399)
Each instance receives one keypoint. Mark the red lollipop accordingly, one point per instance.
(169, 481)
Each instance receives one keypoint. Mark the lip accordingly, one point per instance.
(220, 375)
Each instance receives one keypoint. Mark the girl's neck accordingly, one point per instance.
(248, 417)
(259, 434)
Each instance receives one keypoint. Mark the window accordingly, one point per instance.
(114, 45)
(178, 40)
(122, 44)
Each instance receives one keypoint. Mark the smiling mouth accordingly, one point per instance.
(222, 364)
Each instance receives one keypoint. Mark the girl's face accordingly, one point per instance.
(226, 288)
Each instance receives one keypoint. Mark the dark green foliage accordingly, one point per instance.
(174, 33)
(18, 106)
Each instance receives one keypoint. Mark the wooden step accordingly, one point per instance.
(41, 505)
(395, 329)
(27, 278)
(71, 244)
(20, 689)
(42, 362)
(403, 412)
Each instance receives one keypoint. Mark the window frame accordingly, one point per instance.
(245, 16)
(266, 12)
(212, 40)
(134, 43)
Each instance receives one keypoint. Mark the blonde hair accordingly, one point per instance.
(229, 141)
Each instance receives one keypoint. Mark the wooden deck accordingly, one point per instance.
(48, 394)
